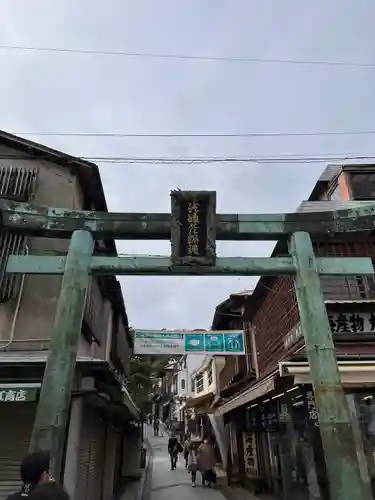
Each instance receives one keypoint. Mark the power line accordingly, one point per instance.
(171, 135)
(151, 55)
(282, 159)
(291, 159)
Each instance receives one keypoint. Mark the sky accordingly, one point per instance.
(56, 92)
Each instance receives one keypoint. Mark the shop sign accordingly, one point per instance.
(252, 419)
(250, 452)
(352, 322)
(284, 413)
(18, 394)
(312, 414)
(269, 417)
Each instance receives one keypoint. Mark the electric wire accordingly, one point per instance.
(194, 57)
(150, 160)
(291, 159)
(203, 135)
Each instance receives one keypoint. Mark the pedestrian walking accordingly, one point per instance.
(161, 429)
(206, 462)
(156, 426)
(174, 447)
(37, 483)
(187, 445)
(193, 462)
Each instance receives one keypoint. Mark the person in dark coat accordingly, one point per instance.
(37, 483)
(174, 447)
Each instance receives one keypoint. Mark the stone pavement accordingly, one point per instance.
(176, 485)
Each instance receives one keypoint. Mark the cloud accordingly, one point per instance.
(52, 92)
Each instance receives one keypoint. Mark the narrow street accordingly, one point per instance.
(174, 485)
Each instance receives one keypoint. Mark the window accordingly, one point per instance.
(334, 193)
(182, 384)
(348, 287)
(362, 186)
(174, 384)
(15, 184)
(199, 383)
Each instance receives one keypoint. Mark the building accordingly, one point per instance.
(199, 407)
(164, 392)
(271, 424)
(101, 437)
(236, 374)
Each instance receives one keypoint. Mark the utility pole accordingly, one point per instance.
(53, 408)
(335, 421)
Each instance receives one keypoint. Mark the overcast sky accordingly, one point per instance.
(62, 92)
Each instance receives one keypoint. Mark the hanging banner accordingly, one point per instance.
(222, 343)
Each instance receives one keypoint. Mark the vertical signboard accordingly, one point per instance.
(193, 228)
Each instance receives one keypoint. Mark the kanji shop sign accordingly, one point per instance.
(348, 322)
(311, 413)
(352, 322)
(250, 452)
(193, 228)
(21, 394)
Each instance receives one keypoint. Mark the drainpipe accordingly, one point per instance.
(108, 344)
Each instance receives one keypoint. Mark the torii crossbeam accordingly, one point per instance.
(193, 227)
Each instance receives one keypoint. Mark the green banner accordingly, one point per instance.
(18, 394)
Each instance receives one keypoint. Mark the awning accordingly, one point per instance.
(353, 373)
(113, 407)
(254, 392)
(199, 400)
(40, 357)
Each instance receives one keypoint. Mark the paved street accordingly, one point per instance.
(174, 485)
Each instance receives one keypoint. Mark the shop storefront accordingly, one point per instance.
(283, 451)
(282, 447)
(18, 403)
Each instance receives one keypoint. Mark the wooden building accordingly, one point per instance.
(267, 400)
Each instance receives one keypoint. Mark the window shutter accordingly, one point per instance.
(16, 183)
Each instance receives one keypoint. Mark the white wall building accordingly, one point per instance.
(204, 380)
(193, 362)
(183, 386)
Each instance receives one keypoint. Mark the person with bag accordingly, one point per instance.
(192, 462)
(174, 448)
(206, 462)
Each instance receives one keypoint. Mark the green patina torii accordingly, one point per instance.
(185, 234)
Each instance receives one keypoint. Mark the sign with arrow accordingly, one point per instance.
(179, 342)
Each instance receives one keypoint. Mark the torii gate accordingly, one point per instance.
(193, 227)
